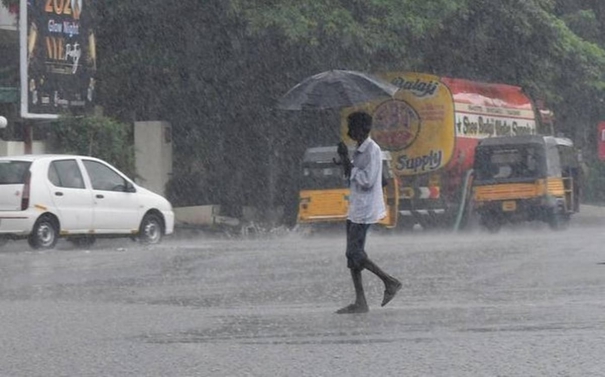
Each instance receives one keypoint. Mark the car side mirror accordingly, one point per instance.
(130, 187)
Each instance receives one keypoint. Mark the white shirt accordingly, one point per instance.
(366, 201)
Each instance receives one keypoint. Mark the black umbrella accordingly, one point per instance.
(335, 89)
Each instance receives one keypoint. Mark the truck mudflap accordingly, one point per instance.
(428, 213)
(420, 203)
(423, 192)
(431, 207)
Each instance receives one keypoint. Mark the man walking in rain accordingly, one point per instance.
(366, 207)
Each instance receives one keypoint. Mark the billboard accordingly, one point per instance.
(58, 57)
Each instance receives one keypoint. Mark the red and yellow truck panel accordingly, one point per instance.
(431, 128)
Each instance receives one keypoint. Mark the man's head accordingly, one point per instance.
(360, 125)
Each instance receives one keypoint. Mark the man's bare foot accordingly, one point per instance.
(390, 291)
(353, 309)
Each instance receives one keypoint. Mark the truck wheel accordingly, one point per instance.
(558, 221)
(45, 234)
(405, 225)
(151, 230)
(491, 223)
(305, 230)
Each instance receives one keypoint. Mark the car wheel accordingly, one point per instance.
(3, 241)
(83, 242)
(151, 230)
(45, 234)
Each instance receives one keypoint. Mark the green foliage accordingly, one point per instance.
(9, 3)
(584, 23)
(96, 136)
(522, 42)
(594, 182)
(371, 26)
(214, 70)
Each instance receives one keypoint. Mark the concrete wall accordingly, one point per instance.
(153, 154)
(15, 148)
(8, 21)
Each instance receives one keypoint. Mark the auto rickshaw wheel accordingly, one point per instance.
(558, 221)
(491, 222)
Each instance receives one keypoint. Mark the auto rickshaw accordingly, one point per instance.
(526, 178)
(324, 194)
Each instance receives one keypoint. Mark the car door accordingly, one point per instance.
(115, 210)
(70, 196)
(13, 175)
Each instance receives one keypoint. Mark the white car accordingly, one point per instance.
(44, 197)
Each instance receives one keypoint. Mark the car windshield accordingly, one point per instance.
(13, 172)
(508, 162)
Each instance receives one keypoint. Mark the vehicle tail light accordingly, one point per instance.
(304, 203)
(25, 195)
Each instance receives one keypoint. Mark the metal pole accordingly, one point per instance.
(28, 137)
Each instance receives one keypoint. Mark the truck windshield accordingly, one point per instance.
(508, 162)
(13, 172)
(322, 177)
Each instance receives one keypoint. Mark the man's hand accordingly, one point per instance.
(342, 150)
(343, 153)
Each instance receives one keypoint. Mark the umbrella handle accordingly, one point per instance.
(346, 167)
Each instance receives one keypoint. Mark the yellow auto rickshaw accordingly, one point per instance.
(324, 194)
(525, 178)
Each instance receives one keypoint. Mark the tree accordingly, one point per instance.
(95, 136)
(214, 70)
(10, 4)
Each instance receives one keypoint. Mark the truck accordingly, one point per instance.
(431, 128)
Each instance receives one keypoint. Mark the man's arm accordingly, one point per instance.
(367, 176)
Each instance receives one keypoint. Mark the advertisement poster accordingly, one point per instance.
(433, 122)
(416, 126)
(58, 58)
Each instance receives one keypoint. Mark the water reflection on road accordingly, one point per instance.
(525, 301)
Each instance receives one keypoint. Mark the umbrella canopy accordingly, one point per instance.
(335, 89)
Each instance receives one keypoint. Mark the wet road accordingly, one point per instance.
(524, 302)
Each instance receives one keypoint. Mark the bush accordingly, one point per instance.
(95, 136)
(594, 182)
